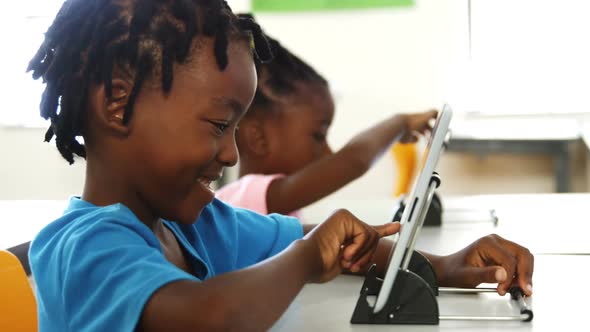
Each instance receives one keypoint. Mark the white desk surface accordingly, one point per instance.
(544, 223)
(559, 303)
(548, 223)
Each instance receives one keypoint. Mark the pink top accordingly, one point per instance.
(249, 192)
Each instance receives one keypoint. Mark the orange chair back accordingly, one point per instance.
(18, 308)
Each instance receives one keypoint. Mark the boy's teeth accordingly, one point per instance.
(205, 182)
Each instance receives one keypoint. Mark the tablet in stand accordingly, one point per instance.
(407, 294)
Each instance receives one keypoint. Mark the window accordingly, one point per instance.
(23, 25)
(21, 35)
(527, 57)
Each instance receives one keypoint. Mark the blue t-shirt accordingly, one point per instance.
(96, 267)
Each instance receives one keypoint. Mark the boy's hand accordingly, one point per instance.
(490, 259)
(345, 242)
(417, 124)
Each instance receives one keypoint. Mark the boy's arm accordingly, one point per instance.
(235, 300)
(252, 299)
(332, 172)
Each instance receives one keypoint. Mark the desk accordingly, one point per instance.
(545, 223)
(528, 135)
(553, 223)
(328, 307)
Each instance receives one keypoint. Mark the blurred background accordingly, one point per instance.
(516, 73)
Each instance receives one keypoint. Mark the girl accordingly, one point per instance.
(285, 160)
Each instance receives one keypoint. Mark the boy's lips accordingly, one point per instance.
(206, 180)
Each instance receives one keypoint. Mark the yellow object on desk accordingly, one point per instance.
(404, 158)
(18, 308)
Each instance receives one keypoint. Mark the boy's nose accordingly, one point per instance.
(228, 152)
(327, 150)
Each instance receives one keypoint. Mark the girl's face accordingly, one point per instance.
(181, 142)
(297, 134)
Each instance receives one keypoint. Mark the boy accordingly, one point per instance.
(156, 89)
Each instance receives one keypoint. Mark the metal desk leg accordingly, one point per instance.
(562, 169)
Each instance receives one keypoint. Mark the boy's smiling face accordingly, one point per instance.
(175, 145)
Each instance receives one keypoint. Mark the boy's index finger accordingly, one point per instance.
(387, 229)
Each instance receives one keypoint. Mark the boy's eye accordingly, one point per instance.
(220, 126)
(320, 137)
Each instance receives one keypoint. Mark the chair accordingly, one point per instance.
(21, 252)
(18, 308)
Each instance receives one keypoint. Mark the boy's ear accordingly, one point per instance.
(110, 115)
(253, 137)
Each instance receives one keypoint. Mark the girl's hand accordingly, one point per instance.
(417, 124)
(490, 259)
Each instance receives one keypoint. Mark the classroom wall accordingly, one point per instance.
(405, 59)
(32, 169)
(378, 62)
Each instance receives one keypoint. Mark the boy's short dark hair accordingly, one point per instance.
(88, 38)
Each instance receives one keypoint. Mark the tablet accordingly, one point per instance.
(415, 203)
